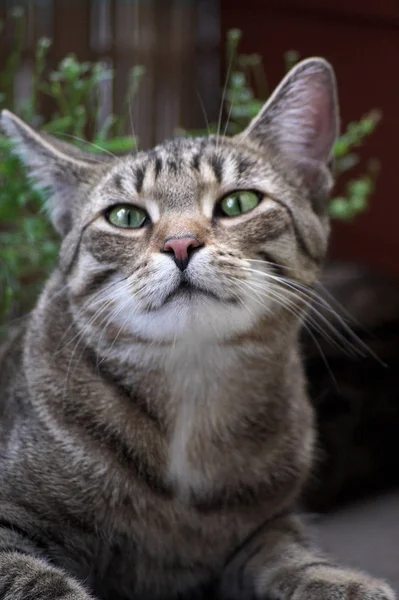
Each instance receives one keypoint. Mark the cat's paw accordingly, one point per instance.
(329, 583)
(24, 576)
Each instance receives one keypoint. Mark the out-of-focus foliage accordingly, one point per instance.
(28, 245)
(245, 93)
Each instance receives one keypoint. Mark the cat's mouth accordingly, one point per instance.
(187, 289)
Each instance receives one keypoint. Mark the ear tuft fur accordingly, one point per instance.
(53, 166)
(301, 117)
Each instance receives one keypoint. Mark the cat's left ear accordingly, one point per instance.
(300, 119)
(61, 168)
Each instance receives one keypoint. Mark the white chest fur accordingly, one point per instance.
(205, 392)
(197, 381)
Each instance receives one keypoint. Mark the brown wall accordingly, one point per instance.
(361, 39)
(175, 40)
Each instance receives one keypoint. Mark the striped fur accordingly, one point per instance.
(154, 440)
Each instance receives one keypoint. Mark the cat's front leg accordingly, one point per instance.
(23, 576)
(25, 573)
(278, 563)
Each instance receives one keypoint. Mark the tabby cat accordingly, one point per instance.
(155, 425)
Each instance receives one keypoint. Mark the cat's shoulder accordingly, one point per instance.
(11, 368)
(11, 345)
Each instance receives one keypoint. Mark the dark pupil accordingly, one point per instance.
(126, 215)
(236, 203)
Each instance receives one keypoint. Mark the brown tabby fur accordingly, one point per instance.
(155, 426)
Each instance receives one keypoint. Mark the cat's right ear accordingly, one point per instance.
(300, 120)
(59, 168)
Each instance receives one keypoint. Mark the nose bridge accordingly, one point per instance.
(180, 227)
(180, 237)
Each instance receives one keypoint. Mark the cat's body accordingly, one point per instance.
(155, 429)
(91, 482)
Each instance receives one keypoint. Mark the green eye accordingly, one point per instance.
(239, 203)
(126, 216)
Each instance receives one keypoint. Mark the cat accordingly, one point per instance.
(155, 426)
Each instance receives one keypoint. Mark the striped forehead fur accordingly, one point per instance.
(164, 179)
(214, 162)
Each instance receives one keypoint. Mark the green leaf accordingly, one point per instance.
(59, 125)
(119, 145)
(339, 208)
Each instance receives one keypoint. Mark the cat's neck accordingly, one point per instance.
(209, 397)
(192, 368)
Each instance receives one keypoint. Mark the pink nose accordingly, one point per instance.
(181, 249)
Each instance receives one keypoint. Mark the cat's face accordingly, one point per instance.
(190, 267)
(198, 237)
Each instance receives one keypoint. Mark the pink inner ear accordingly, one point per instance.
(310, 102)
(324, 127)
(301, 117)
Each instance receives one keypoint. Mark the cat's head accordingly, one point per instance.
(197, 236)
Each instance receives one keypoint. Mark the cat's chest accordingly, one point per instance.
(200, 393)
(182, 550)
(207, 399)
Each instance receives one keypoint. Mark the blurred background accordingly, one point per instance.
(123, 74)
(181, 44)
(360, 38)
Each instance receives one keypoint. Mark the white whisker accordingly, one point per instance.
(327, 305)
(223, 99)
(357, 346)
(336, 339)
(90, 303)
(131, 124)
(290, 307)
(229, 115)
(111, 318)
(204, 112)
(78, 139)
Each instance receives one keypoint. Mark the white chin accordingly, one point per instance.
(198, 316)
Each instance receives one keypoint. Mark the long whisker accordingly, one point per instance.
(229, 115)
(327, 304)
(91, 302)
(308, 324)
(98, 314)
(111, 318)
(292, 309)
(204, 112)
(80, 336)
(305, 318)
(317, 298)
(340, 307)
(345, 343)
(122, 327)
(305, 300)
(301, 291)
(241, 285)
(270, 263)
(78, 139)
(223, 100)
(359, 348)
(131, 124)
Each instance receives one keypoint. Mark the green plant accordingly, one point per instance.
(28, 244)
(246, 91)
